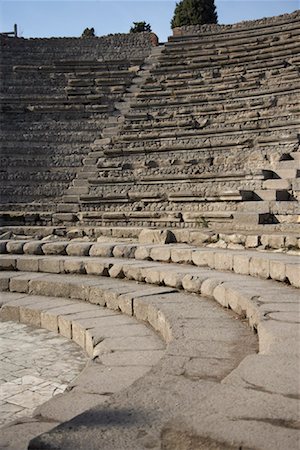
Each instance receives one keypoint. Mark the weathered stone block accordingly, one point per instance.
(223, 261)
(181, 255)
(192, 283)
(15, 247)
(293, 274)
(148, 236)
(51, 265)
(259, 267)
(124, 251)
(201, 257)
(105, 250)
(28, 264)
(78, 249)
(8, 263)
(241, 264)
(278, 270)
(55, 248)
(162, 253)
(252, 241)
(143, 252)
(33, 248)
(73, 266)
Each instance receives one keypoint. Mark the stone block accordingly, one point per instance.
(272, 241)
(241, 264)
(149, 236)
(151, 275)
(278, 270)
(28, 264)
(55, 248)
(8, 263)
(235, 238)
(208, 286)
(192, 283)
(291, 242)
(181, 255)
(293, 274)
(33, 248)
(3, 247)
(200, 237)
(124, 251)
(78, 248)
(171, 278)
(49, 316)
(116, 271)
(143, 252)
(219, 294)
(259, 267)
(72, 265)
(49, 265)
(96, 267)
(162, 253)
(252, 241)
(50, 286)
(202, 258)
(15, 247)
(105, 250)
(223, 261)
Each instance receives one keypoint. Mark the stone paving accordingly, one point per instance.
(35, 365)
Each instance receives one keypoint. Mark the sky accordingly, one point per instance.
(46, 18)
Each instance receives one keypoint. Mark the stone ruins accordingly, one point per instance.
(150, 214)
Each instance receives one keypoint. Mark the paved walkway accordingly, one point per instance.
(35, 364)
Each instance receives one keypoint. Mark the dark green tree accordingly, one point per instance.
(88, 32)
(194, 12)
(139, 27)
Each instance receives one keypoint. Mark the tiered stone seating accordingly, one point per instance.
(56, 96)
(208, 355)
(208, 127)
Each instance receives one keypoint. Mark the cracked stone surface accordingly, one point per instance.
(35, 365)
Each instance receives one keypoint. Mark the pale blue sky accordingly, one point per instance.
(46, 18)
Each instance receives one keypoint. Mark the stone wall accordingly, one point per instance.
(249, 25)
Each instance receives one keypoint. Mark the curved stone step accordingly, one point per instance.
(276, 266)
(158, 311)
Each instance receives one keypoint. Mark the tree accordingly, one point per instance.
(139, 27)
(194, 12)
(88, 32)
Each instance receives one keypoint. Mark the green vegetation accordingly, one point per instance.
(88, 32)
(140, 27)
(194, 12)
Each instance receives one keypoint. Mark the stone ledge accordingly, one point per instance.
(268, 265)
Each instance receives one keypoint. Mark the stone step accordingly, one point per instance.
(277, 184)
(288, 164)
(288, 173)
(261, 264)
(272, 194)
(295, 155)
(164, 318)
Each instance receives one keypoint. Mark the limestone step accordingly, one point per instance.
(272, 194)
(277, 184)
(288, 173)
(99, 258)
(287, 165)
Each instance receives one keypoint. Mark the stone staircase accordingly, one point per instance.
(216, 112)
(204, 383)
(56, 97)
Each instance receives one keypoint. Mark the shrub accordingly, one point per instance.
(140, 27)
